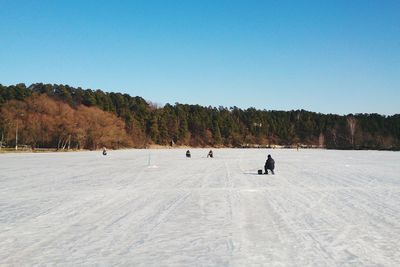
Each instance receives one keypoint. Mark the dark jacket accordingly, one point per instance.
(270, 163)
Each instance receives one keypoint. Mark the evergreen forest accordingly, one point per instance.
(64, 117)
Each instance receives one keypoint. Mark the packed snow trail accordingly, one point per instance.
(322, 208)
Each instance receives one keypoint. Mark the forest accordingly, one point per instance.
(63, 117)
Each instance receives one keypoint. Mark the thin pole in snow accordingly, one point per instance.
(149, 163)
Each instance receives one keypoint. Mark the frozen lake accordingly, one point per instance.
(157, 208)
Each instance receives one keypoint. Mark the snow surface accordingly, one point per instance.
(158, 208)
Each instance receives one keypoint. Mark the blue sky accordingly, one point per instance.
(324, 56)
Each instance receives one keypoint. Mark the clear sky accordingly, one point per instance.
(326, 56)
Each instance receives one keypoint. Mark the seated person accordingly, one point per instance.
(269, 165)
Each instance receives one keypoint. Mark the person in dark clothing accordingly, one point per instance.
(269, 165)
(188, 154)
(210, 154)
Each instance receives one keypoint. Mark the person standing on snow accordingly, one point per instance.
(188, 154)
(210, 154)
(269, 165)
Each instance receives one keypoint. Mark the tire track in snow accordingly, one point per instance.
(94, 221)
(152, 224)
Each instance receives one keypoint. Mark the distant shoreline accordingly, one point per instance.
(156, 147)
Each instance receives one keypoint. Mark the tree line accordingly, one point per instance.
(62, 117)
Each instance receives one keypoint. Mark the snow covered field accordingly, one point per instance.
(322, 208)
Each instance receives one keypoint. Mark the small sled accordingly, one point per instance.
(260, 172)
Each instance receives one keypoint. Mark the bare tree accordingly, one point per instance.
(352, 122)
(321, 140)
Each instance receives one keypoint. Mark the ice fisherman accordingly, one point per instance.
(188, 154)
(104, 151)
(210, 154)
(269, 165)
